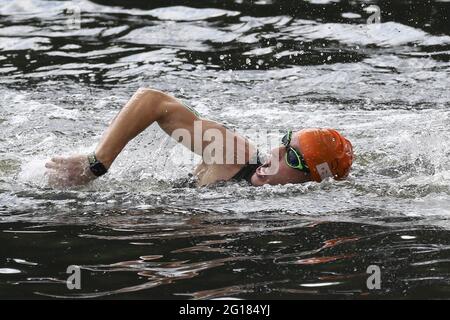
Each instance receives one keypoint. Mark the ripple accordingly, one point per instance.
(179, 35)
(316, 285)
(182, 13)
(388, 34)
(138, 233)
(9, 271)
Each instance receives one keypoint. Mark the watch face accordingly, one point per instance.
(97, 168)
(91, 159)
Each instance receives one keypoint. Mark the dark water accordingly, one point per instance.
(253, 65)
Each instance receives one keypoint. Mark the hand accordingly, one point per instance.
(69, 171)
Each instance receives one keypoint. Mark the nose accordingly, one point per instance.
(278, 153)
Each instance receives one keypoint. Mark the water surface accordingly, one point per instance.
(273, 65)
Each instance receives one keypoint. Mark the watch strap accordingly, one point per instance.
(97, 168)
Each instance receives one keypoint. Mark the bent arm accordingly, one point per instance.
(141, 111)
(148, 106)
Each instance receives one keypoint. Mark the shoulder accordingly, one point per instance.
(212, 173)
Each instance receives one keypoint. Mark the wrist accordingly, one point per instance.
(96, 166)
(104, 158)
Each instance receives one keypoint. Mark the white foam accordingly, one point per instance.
(389, 34)
(14, 43)
(9, 271)
(351, 15)
(178, 34)
(42, 8)
(189, 14)
(33, 172)
(322, 1)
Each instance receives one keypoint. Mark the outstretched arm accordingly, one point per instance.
(144, 108)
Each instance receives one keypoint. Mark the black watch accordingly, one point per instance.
(97, 168)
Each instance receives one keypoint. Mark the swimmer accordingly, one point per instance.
(305, 155)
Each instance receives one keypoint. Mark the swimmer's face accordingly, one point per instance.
(276, 171)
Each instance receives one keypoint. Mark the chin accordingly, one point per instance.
(260, 181)
(256, 181)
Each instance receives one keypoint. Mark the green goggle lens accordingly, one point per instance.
(293, 158)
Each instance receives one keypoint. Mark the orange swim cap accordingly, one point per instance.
(326, 152)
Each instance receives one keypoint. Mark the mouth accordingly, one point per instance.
(264, 169)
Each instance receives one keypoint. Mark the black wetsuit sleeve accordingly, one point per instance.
(191, 109)
(248, 170)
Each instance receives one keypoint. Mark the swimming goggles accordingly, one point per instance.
(294, 158)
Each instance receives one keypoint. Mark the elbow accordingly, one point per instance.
(149, 93)
(151, 97)
(154, 99)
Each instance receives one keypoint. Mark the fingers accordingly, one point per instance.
(58, 159)
(58, 162)
(68, 171)
(55, 162)
(51, 165)
(53, 178)
(57, 178)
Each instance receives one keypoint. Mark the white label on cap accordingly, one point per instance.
(324, 170)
